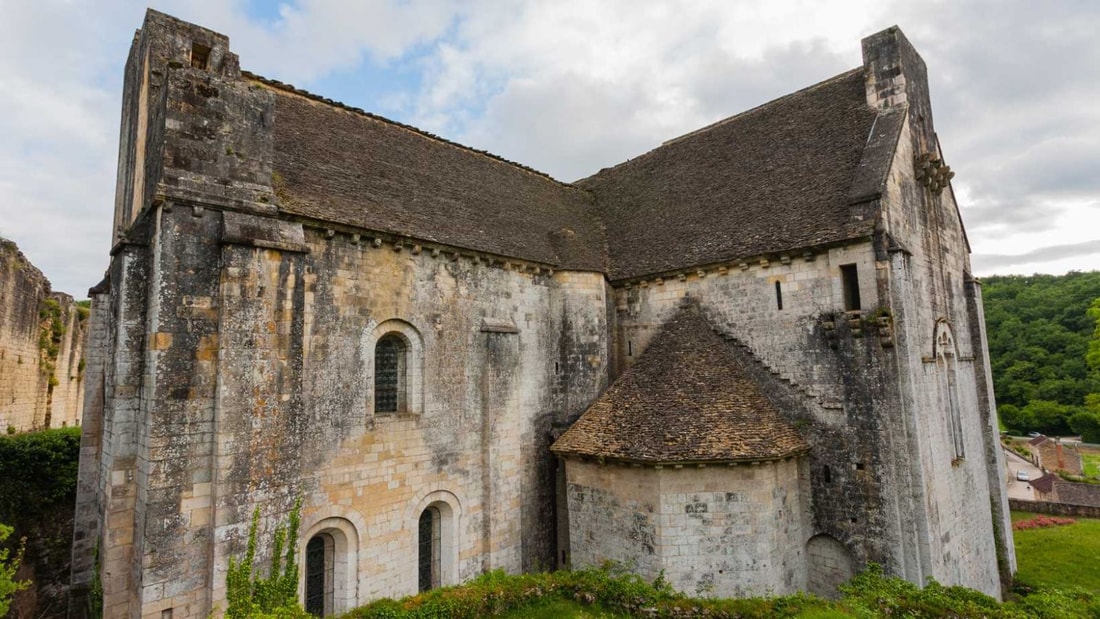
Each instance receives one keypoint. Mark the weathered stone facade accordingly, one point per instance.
(41, 349)
(305, 300)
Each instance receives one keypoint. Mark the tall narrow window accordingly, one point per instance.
(428, 549)
(849, 279)
(389, 374)
(948, 383)
(778, 296)
(319, 575)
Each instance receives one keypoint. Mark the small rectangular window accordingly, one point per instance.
(849, 278)
(200, 55)
(778, 296)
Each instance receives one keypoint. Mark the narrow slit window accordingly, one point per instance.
(828, 475)
(778, 296)
(849, 279)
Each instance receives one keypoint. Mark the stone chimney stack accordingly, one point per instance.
(163, 44)
(895, 75)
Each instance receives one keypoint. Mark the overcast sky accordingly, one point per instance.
(569, 87)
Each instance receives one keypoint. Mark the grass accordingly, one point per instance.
(563, 609)
(1059, 556)
(1092, 464)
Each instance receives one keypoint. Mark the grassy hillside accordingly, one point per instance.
(1062, 556)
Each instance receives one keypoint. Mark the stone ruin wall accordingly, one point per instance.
(41, 348)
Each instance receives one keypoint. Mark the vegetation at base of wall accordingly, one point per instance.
(8, 566)
(1078, 479)
(1063, 556)
(1042, 330)
(25, 495)
(40, 507)
(610, 592)
(250, 595)
(1020, 448)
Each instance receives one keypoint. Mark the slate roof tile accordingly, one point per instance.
(350, 167)
(776, 177)
(686, 399)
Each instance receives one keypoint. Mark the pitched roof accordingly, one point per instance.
(1045, 483)
(686, 399)
(1076, 493)
(346, 166)
(775, 177)
(781, 176)
(1038, 440)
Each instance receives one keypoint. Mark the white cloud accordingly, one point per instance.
(569, 86)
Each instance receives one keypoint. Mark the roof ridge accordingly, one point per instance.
(757, 108)
(274, 83)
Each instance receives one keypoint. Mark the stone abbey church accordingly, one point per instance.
(752, 358)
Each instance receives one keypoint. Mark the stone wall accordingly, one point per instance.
(1055, 509)
(720, 530)
(879, 401)
(263, 361)
(41, 348)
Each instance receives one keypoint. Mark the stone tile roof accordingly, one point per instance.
(1045, 483)
(1055, 456)
(781, 176)
(686, 399)
(775, 177)
(1076, 493)
(338, 164)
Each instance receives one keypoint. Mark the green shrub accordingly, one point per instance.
(27, 497)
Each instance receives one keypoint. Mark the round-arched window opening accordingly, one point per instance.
(390, 369)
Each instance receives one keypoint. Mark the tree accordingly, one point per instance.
(1044, 346)
(1092, 357)
(1087, 424)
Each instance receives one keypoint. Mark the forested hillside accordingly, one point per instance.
(1040, 329)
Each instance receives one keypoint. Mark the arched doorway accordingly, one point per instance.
(429, 549)
(320, 555)
(828, 565)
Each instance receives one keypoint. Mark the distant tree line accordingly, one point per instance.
(1044, 348)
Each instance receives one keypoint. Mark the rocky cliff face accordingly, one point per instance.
(41, 348)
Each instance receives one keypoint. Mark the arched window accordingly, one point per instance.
(947, 373)
(390, 370)
(433, 525)
(393, 368)
(320, 561)
(327, 580)
(429, 549)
